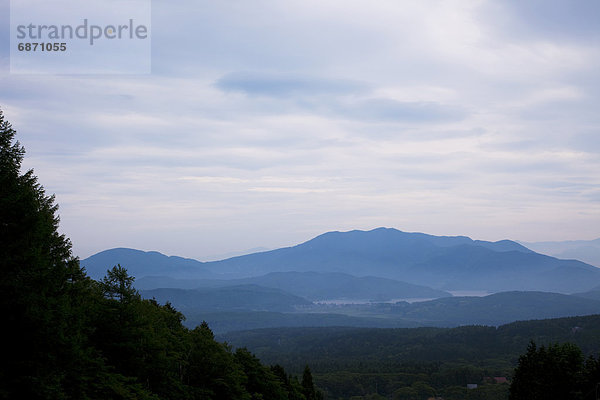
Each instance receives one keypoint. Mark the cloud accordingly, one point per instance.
(265, 124)
(4, 34)
(546, 19)
(587, 140)
(392, 110)
(341, 98)
(280, 85)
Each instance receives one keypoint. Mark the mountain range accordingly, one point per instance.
(378, 278)
(229, 298)
(314, 286)
(448, 263)
(144, 263)
(243, 307)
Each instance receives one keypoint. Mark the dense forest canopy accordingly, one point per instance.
(557, 371)
(407, 363)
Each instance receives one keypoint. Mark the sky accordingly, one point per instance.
(265, 123)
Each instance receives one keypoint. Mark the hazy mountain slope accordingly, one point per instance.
(324, 286)
(285, 309)
(496, 309)
(312, 285)
(167, 282)
(450, 263)
(472, 267)
(584, 250)
(230, 298)
(593, 294)
(217, 257)
(380, 252)
(143, 263)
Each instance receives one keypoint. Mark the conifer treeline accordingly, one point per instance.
(70, 337)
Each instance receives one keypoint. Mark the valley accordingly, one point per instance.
(383, 278)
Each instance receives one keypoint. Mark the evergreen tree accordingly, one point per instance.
(40, 282)
(118, 285)
(591, 379)
(308, 387)
(552, 372)
(261, 382)
(291, 384)
(211, 371)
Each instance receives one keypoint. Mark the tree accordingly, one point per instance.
(40, 282)
(591, 378)
(291, 384)
(211, 371)
(118, 285)
(261, 382)
(308, 387)
(552, 372)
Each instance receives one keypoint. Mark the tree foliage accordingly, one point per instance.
(40, 283)
(556, 371)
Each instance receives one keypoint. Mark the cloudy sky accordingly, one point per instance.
(265, 123)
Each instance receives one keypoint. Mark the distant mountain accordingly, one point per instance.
(251, 306)
(593, 294)
(143, 263)
(354, 252)
(312, 286)
(448, 263)
(216, 257)
(328, 286)
(230, 298)
(440, 262)
(496, 309)
(492, 310)
(584, 250)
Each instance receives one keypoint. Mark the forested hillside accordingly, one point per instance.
(409, 363)
(70, 337)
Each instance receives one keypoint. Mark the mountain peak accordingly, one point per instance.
(141, 263)
(440, 262)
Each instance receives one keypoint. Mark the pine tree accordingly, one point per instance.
(118, 285)
(548, 372)
(308, 387)
(39, 281)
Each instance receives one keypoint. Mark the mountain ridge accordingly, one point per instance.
(585, 250)
(421, 259)
(224, 308)
(311, 285)
(142, 263)
(441, 262)
(228, 298)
